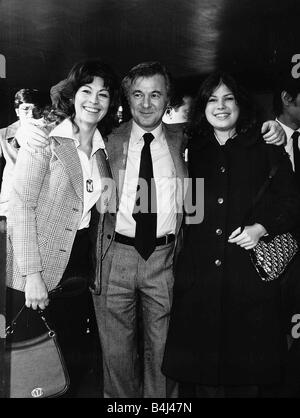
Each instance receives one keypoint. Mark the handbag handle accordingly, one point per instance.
(262, 190)
(11, 328)
(71, 286)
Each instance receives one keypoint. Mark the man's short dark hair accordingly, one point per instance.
(29, 96)
(291, 86)
(146, 69)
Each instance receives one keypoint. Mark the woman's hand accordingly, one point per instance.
(36, 293)
(249, 237)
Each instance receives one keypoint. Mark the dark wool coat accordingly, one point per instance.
(225, 325)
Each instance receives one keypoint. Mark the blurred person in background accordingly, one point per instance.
(28, 103)
(178, 110)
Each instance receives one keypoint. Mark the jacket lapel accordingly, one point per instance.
(66, 152)
(117, 149)
(107, 185)
(176, 152)
(174, 138)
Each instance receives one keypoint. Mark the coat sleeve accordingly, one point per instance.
(279, 209)
(2, 160)
(29, 175)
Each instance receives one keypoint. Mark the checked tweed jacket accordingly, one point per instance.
(46, 206)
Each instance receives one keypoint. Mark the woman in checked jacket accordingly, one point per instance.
(55, 191)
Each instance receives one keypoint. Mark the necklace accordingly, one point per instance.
(89, 182)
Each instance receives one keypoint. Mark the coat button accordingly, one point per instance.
(109, 236)
(220, 200)
(218, 263)
(222, 169)
(219, 231)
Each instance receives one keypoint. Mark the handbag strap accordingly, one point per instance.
(11, 328)
(262, 189)
(72, 286)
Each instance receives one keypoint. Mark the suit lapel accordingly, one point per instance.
(117, 149)
(175, 143)
(107, 187)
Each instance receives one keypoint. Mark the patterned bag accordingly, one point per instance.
(270, 258)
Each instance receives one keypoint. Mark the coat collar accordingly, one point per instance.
(66, 130)
(247, 139)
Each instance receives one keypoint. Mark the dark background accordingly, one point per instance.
(41, 39)
(2, 302)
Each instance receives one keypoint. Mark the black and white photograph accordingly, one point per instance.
(150, 202)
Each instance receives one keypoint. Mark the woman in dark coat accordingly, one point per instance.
(225, 336)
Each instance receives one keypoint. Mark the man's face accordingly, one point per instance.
(148, 100)
(24, 111)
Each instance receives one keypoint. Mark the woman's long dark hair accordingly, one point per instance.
(199, 125)
(83, 73)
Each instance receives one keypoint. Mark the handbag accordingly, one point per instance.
(35, 367)
(271, 256)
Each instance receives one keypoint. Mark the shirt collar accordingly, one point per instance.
(137, 134)
(66, 130)
(288, 131)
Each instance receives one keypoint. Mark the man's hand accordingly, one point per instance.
(36, 293)
(249, 237)
(273, 133)
(32, 135)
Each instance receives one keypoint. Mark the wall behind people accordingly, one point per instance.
(40, 41)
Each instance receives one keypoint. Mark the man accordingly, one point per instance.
(137, 279)
(133, 275)
(27, 104)
(287, 110)
(178, 110)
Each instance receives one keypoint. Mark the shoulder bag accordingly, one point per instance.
(271, 256)
(35, 367)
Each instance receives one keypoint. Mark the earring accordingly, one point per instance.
(169, 112)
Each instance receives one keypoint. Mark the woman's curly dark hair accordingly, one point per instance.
(198, 124)
(83, 73)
